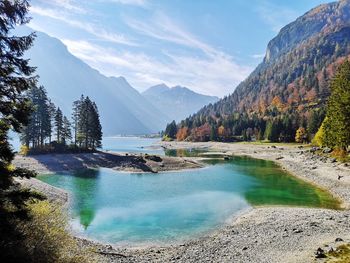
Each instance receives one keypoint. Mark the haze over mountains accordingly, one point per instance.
(123, 109)
(178, 101)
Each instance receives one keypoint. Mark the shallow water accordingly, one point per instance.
(140, 208)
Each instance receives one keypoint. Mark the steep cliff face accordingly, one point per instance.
(313, 22)
(298, 65)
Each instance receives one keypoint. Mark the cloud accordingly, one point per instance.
(142, 3)
(184, 59)
(274, 15)
(70, 5)
(163, 28)
(210, 76)
(258, 56)
(214, 72)
(98, 32)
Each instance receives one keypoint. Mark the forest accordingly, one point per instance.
(48, 130)
(325, 126)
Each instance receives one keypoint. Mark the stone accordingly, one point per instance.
(338, 239)
(320, 253)
(326, 150)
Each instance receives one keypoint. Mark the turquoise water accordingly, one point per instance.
(140, 208)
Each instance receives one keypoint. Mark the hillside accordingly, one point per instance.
(177, 102)
(289, 88)
(122, 108)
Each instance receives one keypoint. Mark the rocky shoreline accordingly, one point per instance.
(65, 163)
(263, 234)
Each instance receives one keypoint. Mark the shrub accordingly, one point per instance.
(43, 237)
(24, 150)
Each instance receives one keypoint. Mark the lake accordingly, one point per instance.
(132, 145)
(129, 208)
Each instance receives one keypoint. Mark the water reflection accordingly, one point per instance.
(85, 185)
(114, 207)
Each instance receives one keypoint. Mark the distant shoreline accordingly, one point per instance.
(263, 234)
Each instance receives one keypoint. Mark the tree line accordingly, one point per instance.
(326, 126)
(48, 128)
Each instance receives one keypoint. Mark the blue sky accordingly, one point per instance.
(206, 45)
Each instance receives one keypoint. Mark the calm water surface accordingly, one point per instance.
(139, 208)
(132, 145)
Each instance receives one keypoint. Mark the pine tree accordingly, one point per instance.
(96, 128)
(171, 130)
(88, 127)
(337, 124)
(75, 117)
(59, 125)
(66, 133)
(39, 127)
(16, 77)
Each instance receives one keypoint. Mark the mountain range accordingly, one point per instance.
(122, 108)
(294, 76)
(177, 102)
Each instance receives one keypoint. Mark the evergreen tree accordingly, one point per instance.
(75, 117)
(89, 129)
(59, 125)
(16, 77)
(171, 130)
(96, 128)
(39, 127)
(337, 124)
(66, 133)
(213, 133)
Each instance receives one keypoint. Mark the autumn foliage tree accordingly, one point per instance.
(300, 135)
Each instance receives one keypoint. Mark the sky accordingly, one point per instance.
(208, 46)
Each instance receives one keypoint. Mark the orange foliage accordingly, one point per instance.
(182, 134)
(277, 102)
(201, 133)
(221, 131)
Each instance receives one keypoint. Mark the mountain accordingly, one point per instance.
(177, 102)
(291, 84)
(123, 109)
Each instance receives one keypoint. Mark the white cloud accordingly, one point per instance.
(99, 33)
(142, 3)
(275, 16)
(163, 28)
(70, 5)
(214, 72)
(258, 56)
(196, 64)
(210, 76)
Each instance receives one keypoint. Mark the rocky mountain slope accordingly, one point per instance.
(293, 79)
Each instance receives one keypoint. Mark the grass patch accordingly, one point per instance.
(42, 237)
(340, 255)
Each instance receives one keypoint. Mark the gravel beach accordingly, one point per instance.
(262, 234)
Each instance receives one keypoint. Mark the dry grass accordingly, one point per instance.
(340, 255)
(46, 236)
